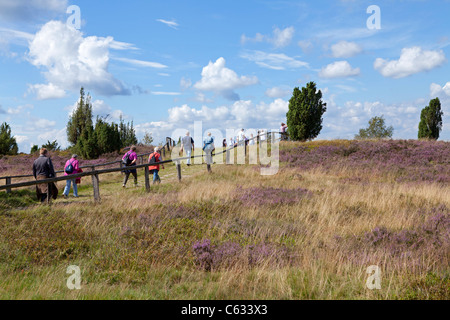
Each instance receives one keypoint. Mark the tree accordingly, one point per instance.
(107, 136)
(430, 124)
(148, 139)
(8, 144)
(34, 148)
(127, 133)
(306, 108)
(376, 130)
(51, 146)
(80, 118)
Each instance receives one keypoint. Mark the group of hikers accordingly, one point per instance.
(43, 166)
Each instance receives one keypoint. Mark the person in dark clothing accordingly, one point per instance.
(43, 169)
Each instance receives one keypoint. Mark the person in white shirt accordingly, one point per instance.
(187, 144)
(241, 137)
(252, 141)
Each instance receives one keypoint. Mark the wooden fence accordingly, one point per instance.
(95, 173)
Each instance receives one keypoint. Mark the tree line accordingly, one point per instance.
(304, 121)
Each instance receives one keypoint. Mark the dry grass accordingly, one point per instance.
(136, 245)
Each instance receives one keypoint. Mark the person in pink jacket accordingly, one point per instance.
(75, 169)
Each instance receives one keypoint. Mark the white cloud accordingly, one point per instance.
(185, 83)
(338, 69)
(165, 93)
(412, 60)
(46, 91)
(280, 37)
(306, 45)
(277, 92)
(275, 61)
(72, 61)
(26, 11)
(171, 23)
(240, 114)
(219, 79)
(437, 90)
(21, 139)
(344, 49)
(141, 63)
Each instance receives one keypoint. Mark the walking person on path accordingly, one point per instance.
(130, 158)
(43, 169)
(187, 144)
(71, 167)
(153, 159)
(208, 147)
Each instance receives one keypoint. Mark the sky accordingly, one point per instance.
(166, 65)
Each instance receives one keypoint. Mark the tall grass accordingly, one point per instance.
(309, 232)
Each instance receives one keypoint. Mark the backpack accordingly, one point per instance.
(152, 158)
(126, 160)
(69, 169)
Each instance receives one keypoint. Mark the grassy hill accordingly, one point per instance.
(309, 232)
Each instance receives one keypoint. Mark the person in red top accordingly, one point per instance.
(75, 169)
(154, 169)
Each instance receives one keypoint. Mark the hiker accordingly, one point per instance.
(155, 157)
(72, 167)
(251, 141)
(283, 129)
(43, 169)
(224, 143)
(187, 143)
(208, 147)
(131, 156)
(242, 137)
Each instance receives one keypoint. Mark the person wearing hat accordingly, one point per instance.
(154, 168)
(72, 167)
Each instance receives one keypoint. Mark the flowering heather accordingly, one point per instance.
(408, 160)
(429, 239)
(270, 196)
(213, 257)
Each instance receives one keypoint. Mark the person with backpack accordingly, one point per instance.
(208, 147)
(43, 169)
(72, 167)
(129, 160)
(154, 158)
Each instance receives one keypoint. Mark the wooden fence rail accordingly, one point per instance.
(8, 179)
(95, 173)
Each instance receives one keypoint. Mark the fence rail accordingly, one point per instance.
(167, 145)
(95, 173)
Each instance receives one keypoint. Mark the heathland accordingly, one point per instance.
(309, 232)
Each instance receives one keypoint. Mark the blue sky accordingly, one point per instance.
(230, 64)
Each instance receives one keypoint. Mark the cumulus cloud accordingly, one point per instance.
(219, 79)
(279, 38)
(277, 92)
(412, 60)
(72, 61)
(25, 10)
(240, 114)
(338, 69)
(274, 61)
(344, 49)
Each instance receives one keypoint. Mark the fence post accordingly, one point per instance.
(228, 157)
(208, 166)
(96, 186)
(49, 193)
(164, 151)
(147, 179)
(179, 170)
(8, 181)
(121, 166)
